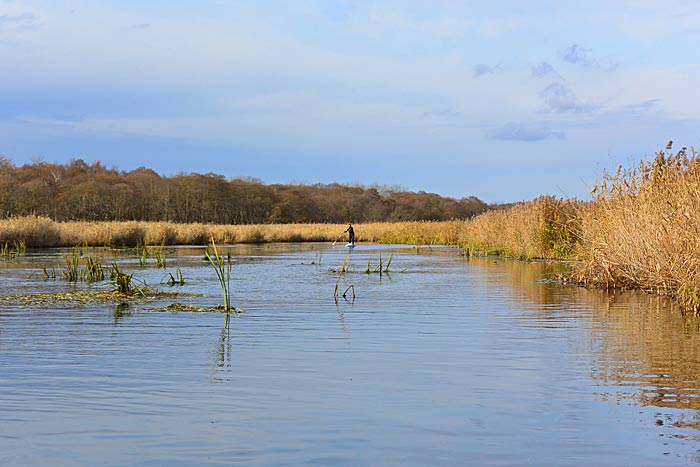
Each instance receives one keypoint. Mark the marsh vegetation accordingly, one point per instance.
(640, 230)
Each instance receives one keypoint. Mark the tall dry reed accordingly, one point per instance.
(536, 229)
(546, 227)
(643, 229)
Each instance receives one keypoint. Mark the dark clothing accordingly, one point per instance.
(351, 234)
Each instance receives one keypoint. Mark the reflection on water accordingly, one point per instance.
(645, 350)
(222, 368)
(650, 355)
(445, 361)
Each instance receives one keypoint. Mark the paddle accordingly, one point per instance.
(336, 240)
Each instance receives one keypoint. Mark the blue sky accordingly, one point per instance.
(504, 100)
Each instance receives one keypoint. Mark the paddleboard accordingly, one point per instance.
(350, 245)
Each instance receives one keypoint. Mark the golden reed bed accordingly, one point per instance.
(535, 229)
(44, 232)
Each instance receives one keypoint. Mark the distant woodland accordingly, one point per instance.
(92, 192)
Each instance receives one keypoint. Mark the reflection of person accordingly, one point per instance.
(351, 234)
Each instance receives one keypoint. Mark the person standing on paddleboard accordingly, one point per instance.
(351, 234)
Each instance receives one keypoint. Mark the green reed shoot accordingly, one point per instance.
(93, 271)
(6, 251)
(340, 274)
(72, 261)
(345, 294)
(222, 267)
(161, 256)
(177, 279)
(17, 248)
(49, 273)
(20, 247)
(124, 283)
(142, 253)
(388, 263)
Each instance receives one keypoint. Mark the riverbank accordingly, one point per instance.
(640, 231)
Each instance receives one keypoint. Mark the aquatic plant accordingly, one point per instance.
(351, 287)
(160, 254)
(381, 269)
(7, 252)
(222, 267)
(49, 273)
(93, 271)
(384, 269)
(72, 263)
(341, 271)
(142, 253)
(19, 246)
(124, 283)
(177, 279)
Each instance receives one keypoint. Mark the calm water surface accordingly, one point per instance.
(443, 361)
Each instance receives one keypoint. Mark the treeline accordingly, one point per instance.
(92, 192)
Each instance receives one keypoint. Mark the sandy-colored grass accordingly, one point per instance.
(536, 229)
(546, 227)
(44, 232)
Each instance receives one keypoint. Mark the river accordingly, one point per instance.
(444, 360)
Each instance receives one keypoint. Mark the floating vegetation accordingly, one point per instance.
(87, 297)
(177, 307)
(222, 267)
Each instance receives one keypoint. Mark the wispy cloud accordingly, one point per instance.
(442, 113)
(544, 70)
(643, 107)
(524, 132)
(560, 98)
(22, 21)
(577, 55)
(483, 69)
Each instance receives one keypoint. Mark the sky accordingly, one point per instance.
(503, 100)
